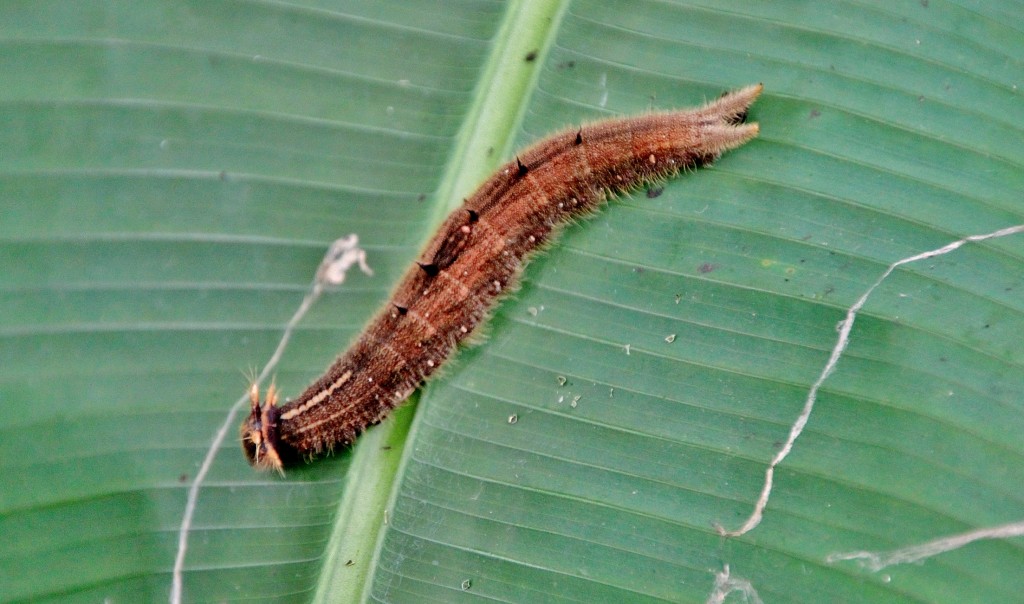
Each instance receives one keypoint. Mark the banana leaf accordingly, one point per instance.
(171, 174)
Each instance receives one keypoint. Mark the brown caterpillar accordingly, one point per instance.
(475, 256)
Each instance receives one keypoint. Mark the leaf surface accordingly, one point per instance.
(171, 174)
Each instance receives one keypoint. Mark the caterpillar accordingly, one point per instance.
(475, 257)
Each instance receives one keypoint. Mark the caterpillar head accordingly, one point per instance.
(259, 431)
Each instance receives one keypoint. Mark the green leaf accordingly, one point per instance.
(171, 174)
